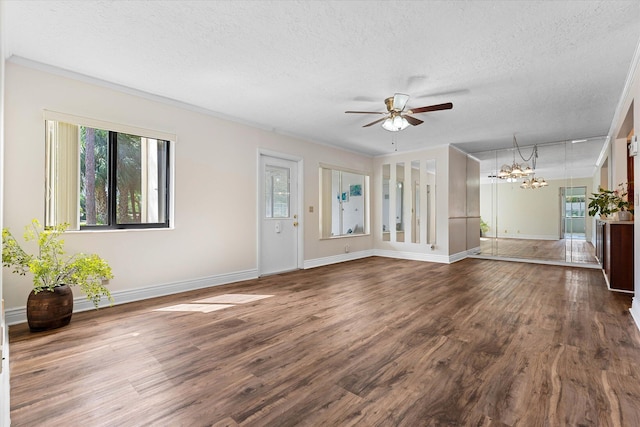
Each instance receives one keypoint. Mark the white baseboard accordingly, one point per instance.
(334, 259)
(635, 311)
(14, 316)
(414, 256)
(80, 303)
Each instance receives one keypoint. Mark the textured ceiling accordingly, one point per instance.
(545, 71)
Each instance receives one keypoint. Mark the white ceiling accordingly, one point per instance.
(545, 71)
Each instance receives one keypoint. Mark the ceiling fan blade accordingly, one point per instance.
(364, 112)
(437, 107)
(400, 101)
(412, 120)
(373, 123)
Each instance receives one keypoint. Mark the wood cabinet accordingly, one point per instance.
(614, 249)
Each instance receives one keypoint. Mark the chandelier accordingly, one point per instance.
(518, 171)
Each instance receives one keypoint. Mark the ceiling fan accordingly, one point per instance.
(397, 118)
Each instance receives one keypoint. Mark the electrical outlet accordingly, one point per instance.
(310, 209)
(346, 249)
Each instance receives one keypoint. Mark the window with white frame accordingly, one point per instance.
(101, 177)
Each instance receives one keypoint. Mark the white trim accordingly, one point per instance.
(335, 259)
(628, 84)
(458, 257)
(343, 169)
(105, 125)
(635, 311)
(414, 256)
(80, 303)
(606, 279)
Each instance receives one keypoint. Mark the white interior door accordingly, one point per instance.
(278, 215)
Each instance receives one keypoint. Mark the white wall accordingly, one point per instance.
(215, 231)
(406, 249)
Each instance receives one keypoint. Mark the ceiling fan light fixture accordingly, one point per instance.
(395, 124)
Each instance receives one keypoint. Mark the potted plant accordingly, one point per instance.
(607, 202)
(484, 227)
(50, 303)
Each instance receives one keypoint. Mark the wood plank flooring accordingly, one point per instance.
(373, 342)
(564, 250)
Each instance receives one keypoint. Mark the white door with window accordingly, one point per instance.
(278, 215)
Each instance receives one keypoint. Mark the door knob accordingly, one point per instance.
(295, 224)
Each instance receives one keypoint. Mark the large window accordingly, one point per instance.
(100, 178)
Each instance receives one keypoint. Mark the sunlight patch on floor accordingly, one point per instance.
(210, 304)
(202, 308)
(232, 299)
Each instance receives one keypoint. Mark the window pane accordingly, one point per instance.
(141, 180)
(94, 173)
(276, 192)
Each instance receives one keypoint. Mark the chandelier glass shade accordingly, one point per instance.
(518, 171)
(533, 183)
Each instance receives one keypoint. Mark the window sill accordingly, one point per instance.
(117, 230)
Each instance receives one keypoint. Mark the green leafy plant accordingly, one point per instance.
(51, 267)
(484, 227)
(606, 202)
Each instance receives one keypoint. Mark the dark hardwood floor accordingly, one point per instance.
(373, 342)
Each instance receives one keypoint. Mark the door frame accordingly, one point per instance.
(563, 210)
(300, 204)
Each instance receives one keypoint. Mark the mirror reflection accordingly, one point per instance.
(408, 202)
(399, 202)
(343, 202)
(415, 201)
(430, 199)
(386, 177)
(520, 219)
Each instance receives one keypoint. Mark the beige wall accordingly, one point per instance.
(464, 202)
(529, 214)
(215, 184)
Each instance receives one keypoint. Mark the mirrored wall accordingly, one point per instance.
(344, 202)
(408, 202)
(541, 215)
